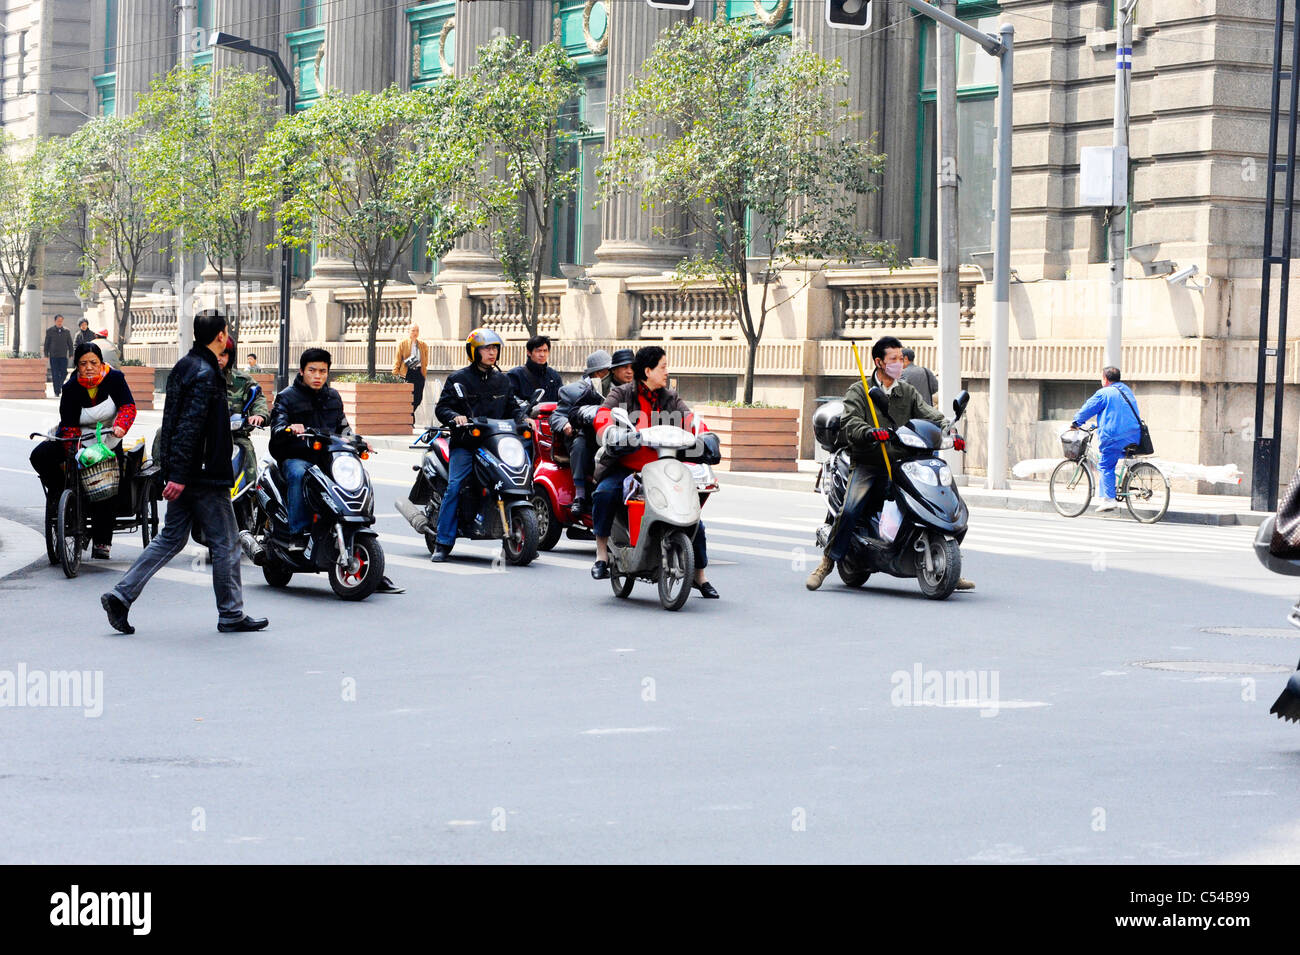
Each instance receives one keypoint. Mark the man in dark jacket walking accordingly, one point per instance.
(194, 451)
(535, 373)
(58, 349)
(480, 389)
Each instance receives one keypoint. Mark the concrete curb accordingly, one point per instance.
(20, 547)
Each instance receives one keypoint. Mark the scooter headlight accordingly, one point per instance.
(910, 438)
(512, 453)
(348, 472)
(922, 473)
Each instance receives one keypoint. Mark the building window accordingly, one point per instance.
(305, 49)
(577, 220)
(433, 42)
(110, 36)
(776, 15)
(977, 77)
(1061, 400)
(106, 94)
(310, 14)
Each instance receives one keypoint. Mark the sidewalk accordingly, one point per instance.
(1213, 509)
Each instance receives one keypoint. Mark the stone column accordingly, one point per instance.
(358, 56)
(478, 22)
(146, 37)
(894, 114)
(628, 243)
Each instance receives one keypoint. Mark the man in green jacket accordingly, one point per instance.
(238, 389)
(864, 437)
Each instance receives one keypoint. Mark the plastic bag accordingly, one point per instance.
(97, 452)
(891, 519)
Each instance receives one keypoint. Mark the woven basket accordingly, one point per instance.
(101, 481)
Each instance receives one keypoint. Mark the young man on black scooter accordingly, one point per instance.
(864, 435)
(479, 390)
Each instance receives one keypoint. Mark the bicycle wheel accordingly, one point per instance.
(69, 533)
(1146, 492)
(1070, 488)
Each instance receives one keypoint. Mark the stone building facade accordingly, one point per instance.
(1200, 90)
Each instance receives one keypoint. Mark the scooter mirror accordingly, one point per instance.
(960, 402)
(620, 416)
(879, 398)
(538, 395)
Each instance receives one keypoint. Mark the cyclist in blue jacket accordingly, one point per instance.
(1115, 408)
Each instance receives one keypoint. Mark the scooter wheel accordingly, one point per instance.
(676, 570)
(520, 548)
(276, 574)
(851, 574)
(549, 527)
(621, 584)
(369, 575)
(947, 568)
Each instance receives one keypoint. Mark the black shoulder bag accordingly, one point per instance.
(1143, 445)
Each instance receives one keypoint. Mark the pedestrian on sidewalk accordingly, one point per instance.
(84, 335)
(194, 452)
(1115, 407)
(58, 349)
(411, 361)
(919, 377)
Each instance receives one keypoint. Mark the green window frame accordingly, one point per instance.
(106, 94)
(584, 34)
(433, 42)
(304, 45)
(776, 15)
(110, 36)
(976, 90)
(311, 13)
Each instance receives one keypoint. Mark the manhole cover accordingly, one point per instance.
(1284, 633)
(1208, 666)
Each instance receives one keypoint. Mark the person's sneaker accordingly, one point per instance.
(245, 624)
(964, 584)
(818, 576)
(100, 552)
(440, 553)
(117, 610)
(1107, 504)
(580, 506)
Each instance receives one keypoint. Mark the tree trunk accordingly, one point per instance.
(239, 299)
(750, 358)
(374, 298)
(18, 316)
(124, 326)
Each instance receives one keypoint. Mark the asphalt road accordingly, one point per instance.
(526, 715)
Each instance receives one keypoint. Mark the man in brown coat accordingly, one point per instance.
(411, 361)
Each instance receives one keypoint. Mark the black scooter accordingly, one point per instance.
(496, 503)
(919, 530)
(1287, 705)
(341, 542)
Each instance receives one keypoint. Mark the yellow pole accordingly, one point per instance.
(875, 419)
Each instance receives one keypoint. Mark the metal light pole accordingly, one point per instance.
(1118, 214)
(1001, 46)
(184, 9)
(946, 209)
(232, 42)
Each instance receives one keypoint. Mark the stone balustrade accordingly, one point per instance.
(394, 312)
(668, 310)
(866, 303)
(496, 305)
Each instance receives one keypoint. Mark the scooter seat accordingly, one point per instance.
(1287, 566)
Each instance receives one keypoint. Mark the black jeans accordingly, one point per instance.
(211, 508)
(416, 378)
(582, 459)
(58, 374)
(865, 486)
(48, 459)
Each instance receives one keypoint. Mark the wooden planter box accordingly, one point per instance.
(755, 439)
(267, 382)
(376, 407)
(23, 377)
(140, 379)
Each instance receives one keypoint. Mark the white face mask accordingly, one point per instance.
(894, 369)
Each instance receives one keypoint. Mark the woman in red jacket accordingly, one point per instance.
(648, 401)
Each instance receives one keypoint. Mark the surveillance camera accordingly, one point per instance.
(1182, 275)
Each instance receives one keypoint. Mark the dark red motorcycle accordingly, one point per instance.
(553, 486)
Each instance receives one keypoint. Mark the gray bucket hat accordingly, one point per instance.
(623, 356)
(598, 360)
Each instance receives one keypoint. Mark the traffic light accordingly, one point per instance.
(672, 4)
(848, 14)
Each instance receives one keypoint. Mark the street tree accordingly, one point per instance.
(513, 104)
(28, 215)
(747, 138)
(363, 175)
(103, 179)
(205, 131)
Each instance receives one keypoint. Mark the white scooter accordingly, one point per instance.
(652, 538)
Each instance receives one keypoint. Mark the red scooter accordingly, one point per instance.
(553, 486)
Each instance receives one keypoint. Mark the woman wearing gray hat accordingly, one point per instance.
(573, 419)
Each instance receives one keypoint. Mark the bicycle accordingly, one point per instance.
(67, 518)
(1141, 485)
